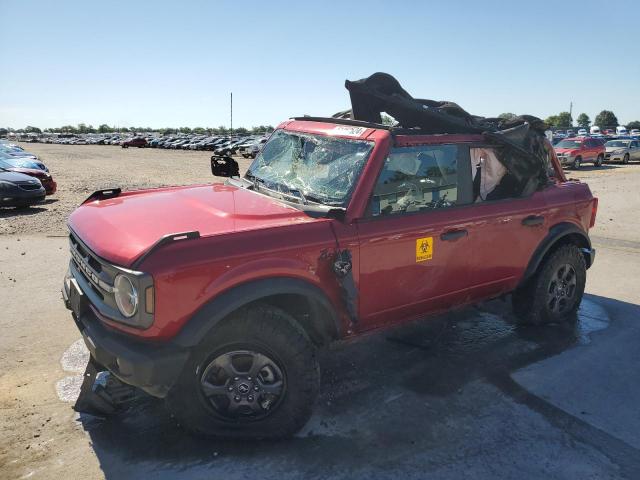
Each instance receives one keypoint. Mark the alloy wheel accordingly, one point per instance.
(562, 290)
(243, 385)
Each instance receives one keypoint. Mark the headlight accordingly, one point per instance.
(126, 296)
(619, 151)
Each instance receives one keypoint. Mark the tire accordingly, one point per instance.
(562, 277)
(625, 159)
(268, 333)
(577, 163)
(599, 161)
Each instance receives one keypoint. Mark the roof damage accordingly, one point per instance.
(522, 139)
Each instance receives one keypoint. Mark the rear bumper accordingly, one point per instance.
(152, 367)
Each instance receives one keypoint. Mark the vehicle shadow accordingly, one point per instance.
(590, 167)
(395, 395)
(8, 212)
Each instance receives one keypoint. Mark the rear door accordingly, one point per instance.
(414, 239)
(505, 233)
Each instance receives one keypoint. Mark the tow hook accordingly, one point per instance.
(102, 400)
(342, 268)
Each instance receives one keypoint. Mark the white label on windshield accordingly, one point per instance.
(349, 131)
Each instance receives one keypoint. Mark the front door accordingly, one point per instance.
(414, 242)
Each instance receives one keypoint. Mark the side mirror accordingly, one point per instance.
(223, 166)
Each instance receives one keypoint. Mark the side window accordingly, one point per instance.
(491, 179)
(417, 179)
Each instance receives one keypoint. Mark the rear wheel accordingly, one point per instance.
(554, 293)
(625, 159)
(599, 160)
(256, 377)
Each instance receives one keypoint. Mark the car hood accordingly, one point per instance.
(32, 172)
(123, 228)
(14, 177)
(615, 149)
(566, 150)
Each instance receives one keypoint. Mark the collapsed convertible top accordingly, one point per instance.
(522, 139)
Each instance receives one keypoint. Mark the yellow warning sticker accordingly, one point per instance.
(424, 249)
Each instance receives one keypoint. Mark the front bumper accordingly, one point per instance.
(613, 157)
(18, 197)
(152, 367)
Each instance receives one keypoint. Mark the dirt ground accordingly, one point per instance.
(485, 399)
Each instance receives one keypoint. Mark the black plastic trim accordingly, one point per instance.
(170, 238)
(103, 194)
(205, 319)
(556, 233)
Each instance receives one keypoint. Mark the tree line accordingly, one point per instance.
(104, 128)
(605, 119)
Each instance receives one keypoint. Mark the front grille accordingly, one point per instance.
(90, 266)
(29, 186)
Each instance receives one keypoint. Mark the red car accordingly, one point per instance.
(139, 142)
(45, 177)
(216, 297)
(576, 151)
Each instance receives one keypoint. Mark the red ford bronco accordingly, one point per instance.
(216, 297)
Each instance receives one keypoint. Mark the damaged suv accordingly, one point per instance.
(217, 297)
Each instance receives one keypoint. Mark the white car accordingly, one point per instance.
(582, 131)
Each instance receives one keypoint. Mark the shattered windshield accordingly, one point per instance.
(322, 169)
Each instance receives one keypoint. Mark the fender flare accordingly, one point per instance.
(556, 234)
(218, 308)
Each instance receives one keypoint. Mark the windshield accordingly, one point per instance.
(323, 169)
(616, 143)
(569, 144)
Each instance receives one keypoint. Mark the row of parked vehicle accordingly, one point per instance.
(575, 151)
(24, 179)
(247, 146)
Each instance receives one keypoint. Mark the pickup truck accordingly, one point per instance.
(218, 297)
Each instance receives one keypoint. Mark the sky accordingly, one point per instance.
(162, 64)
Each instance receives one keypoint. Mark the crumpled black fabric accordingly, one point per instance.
(522, 139)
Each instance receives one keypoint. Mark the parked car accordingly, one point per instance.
(139, 142)
(634, 132)
(24, 162)
(223, 319)
(620, 130)
(622, 150)
(44, 176)
(579, 150)
(19, 190)
(256, 147)
(582, 132)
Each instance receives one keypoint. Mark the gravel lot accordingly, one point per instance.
(466, 395)
(82, 169)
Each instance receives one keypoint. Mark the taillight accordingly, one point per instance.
(594, 211)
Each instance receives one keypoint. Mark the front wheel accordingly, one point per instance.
(625, 159)
(257, 376)
(577, 163)
(554, 293)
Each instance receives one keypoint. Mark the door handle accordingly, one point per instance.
(533, 220)
(452, 235)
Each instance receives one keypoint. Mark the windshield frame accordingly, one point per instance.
(294, 195)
